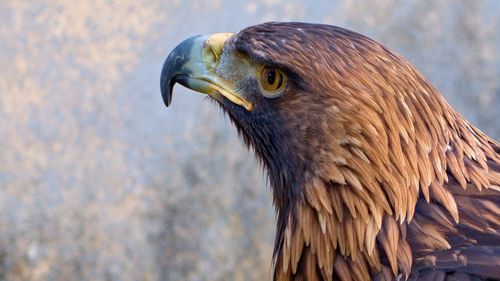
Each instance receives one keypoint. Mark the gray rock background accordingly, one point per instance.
(98, 181)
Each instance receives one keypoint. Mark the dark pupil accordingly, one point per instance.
(271, 76)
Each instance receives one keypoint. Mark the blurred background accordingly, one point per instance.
(99, 181)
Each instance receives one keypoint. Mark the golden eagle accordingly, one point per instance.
(374, 175)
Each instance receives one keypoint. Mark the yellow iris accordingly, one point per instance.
(273, 81)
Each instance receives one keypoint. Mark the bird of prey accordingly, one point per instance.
(374, 176)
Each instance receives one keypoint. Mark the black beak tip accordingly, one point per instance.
(166, 94)
(166, 84)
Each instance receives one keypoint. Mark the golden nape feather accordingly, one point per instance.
(374, 175)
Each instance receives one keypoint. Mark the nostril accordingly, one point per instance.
(210, 57)
(217, 50)
(213, 48)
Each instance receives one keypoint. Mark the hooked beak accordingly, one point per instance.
(193, 64)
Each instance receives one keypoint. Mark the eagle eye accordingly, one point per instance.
(272, 81)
